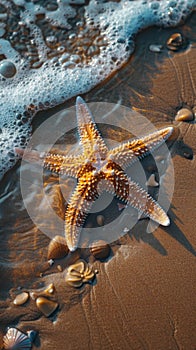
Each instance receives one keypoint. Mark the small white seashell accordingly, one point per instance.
(155, 48)
(151, 181)
(16, 340)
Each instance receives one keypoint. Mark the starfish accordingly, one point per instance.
(99, 169)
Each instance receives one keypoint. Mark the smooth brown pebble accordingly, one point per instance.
(57, 248)
(100, 220)
(46, 306)
(100, 250)
(21, 298)
(59, 268)
(184, 114)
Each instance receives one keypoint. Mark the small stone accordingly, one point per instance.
(184, 114)
(51, 262)
(151, 181)
(21, 298)
(59, 268)
(64, 58)
(93, 50)
(155, 48)
(100, 220)
(7, 69)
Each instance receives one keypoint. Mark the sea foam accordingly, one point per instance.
(65, 51)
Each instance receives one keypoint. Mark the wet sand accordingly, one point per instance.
(144, 294)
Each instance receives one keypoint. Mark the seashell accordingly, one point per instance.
(79, 273)
(184, 114)
(175, 42)
(21, 298)
(57, 248)
(100, 250)
(59, 268)
(155, 48)
(16, 340)
(46, 306)
(151, 181)
(31, 334)
(43, 292)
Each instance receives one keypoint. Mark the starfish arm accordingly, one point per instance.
(142, 201)
(60, 164)
(90, 137)
(126, 153)
(56, 162)
(79, 205)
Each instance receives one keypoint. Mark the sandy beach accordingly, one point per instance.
(143, 295)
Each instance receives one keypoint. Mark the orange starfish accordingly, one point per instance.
(99, 169)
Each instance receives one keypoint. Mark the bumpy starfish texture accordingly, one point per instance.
(99, 169)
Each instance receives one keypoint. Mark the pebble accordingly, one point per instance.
(100, 220)
(184, 114)
(151, 181)
(7, 69)
(93, 50)
(155, 48)
(21, 298)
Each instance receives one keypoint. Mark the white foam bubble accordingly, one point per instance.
(32, 89)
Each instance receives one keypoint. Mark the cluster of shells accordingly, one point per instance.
(41, 298)
(80, 272)
(58, 249)
(75, 276)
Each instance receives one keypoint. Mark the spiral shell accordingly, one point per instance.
(79, 273)
(16, 340)
(57, 248)
(100, 250)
